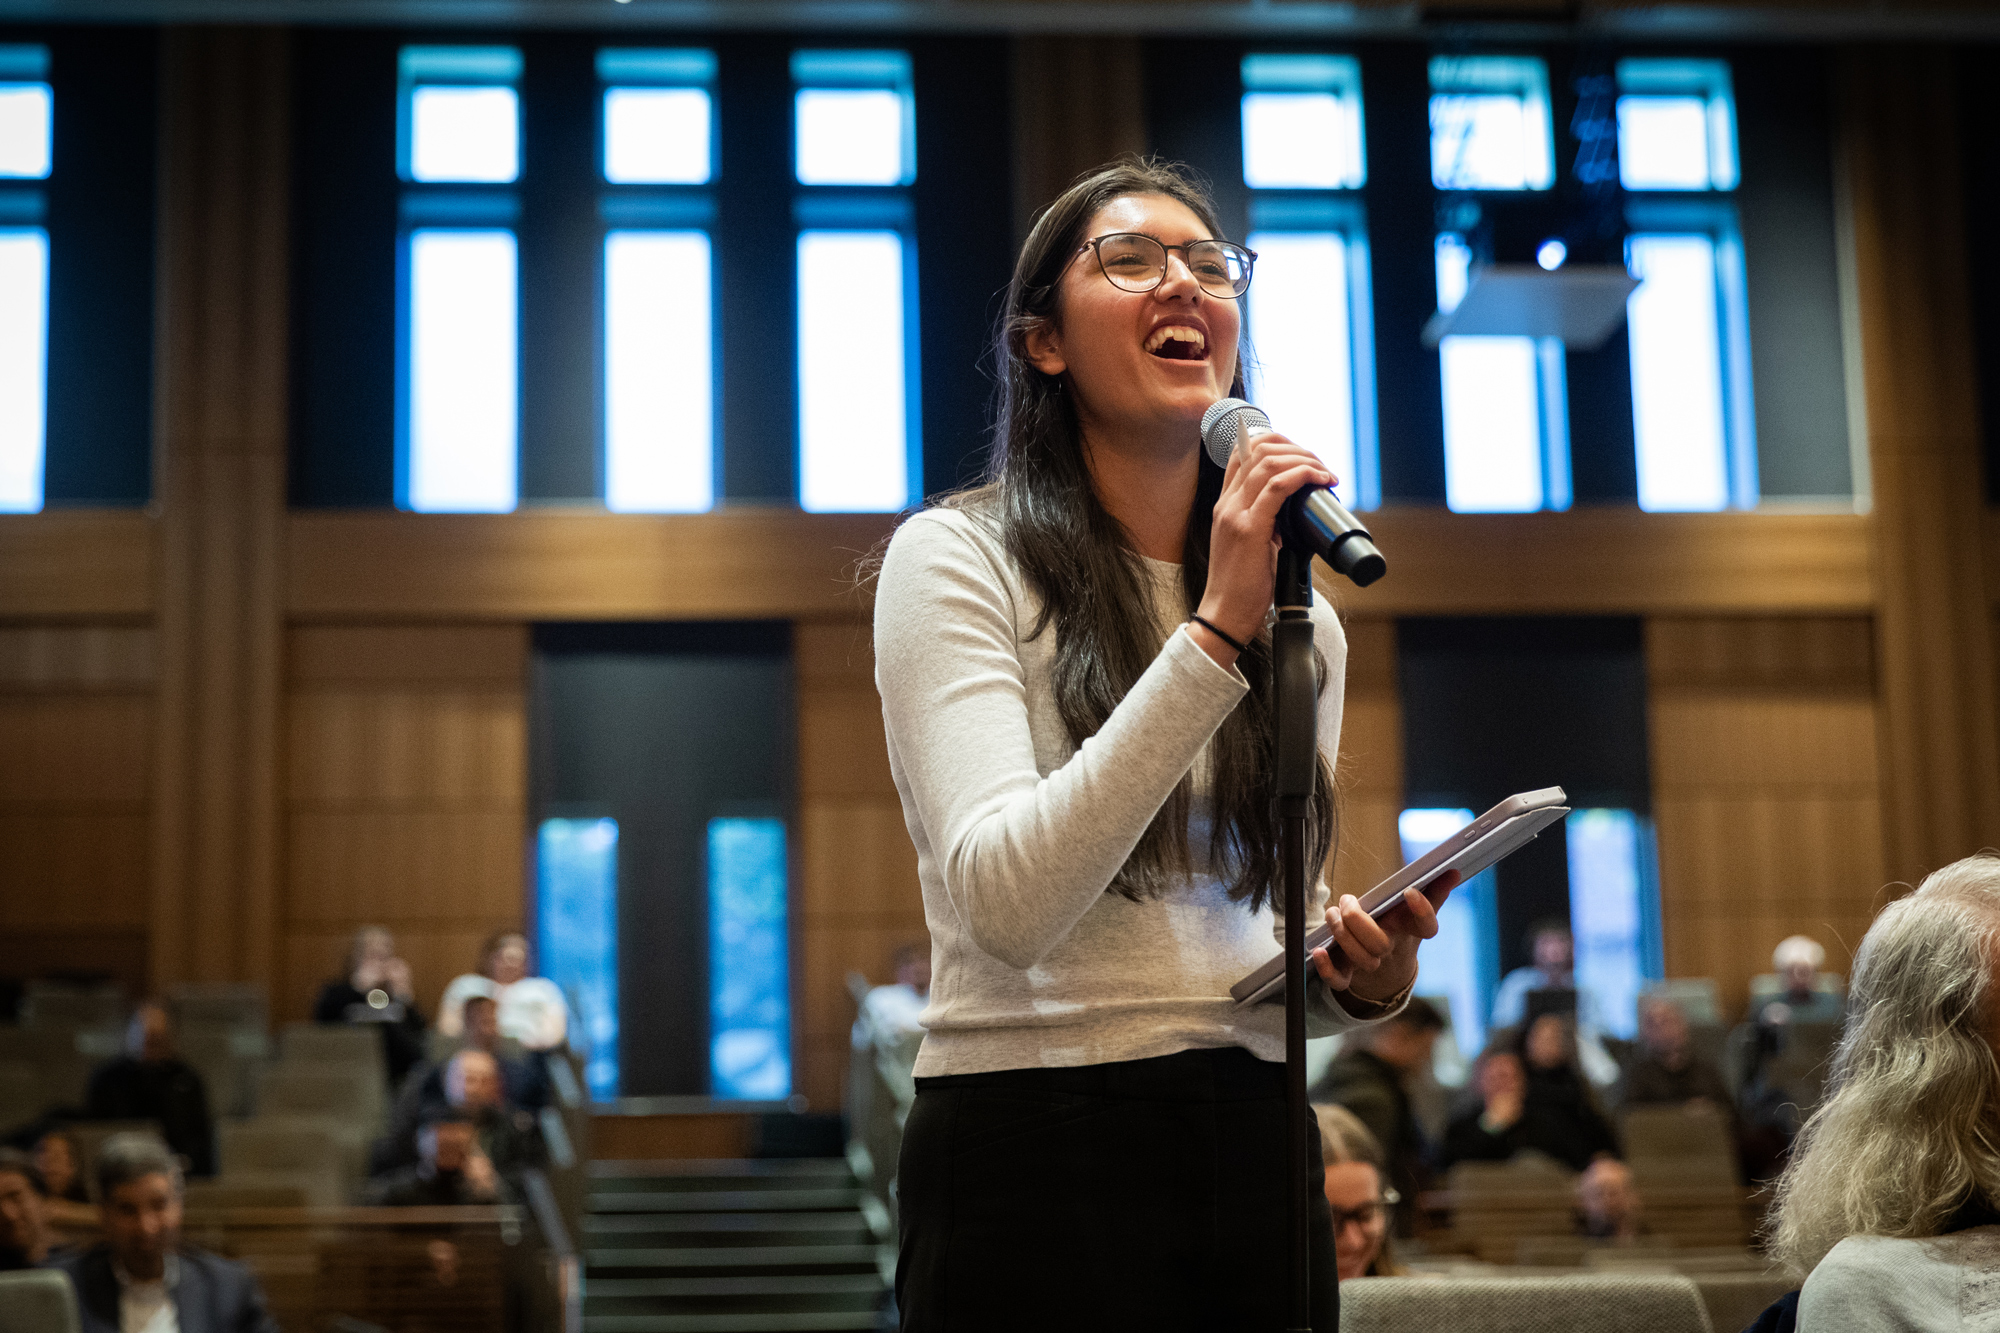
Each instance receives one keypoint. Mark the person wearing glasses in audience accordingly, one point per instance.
(1074, 668)
(1358, 1191)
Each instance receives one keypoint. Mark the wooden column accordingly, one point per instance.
(220, 430)
(1078, 103)
(1898, 166)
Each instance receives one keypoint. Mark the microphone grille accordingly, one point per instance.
(1225, 424)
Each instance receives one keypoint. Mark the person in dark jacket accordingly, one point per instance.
(451, 1169)
(1666, 1071)
(141, 1271)
(24, 1231)
(375, 989)
(1531, 1097)
(1370, 1081)
(151, 1082)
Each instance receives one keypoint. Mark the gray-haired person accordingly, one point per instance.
(140, 1278)
(1889, 1202)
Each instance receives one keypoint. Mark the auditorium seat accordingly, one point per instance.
(314, 1154)
(1495, 1204)
(340, 1091)
(249, 1189)
(37, 1302)
(223, 1004)
(1588, 1303)
(22, 1094)
(227, 1057)
(330, 1044)
(50, 1003)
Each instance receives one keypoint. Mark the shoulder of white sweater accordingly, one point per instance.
(1889, 1282)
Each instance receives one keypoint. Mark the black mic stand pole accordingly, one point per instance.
(1294, 766)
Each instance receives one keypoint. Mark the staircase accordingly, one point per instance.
(729, 1247)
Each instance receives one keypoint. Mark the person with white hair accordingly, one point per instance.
(1797, 961)
(1888, 1203)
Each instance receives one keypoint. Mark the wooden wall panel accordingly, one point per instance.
(1370, 775)
(76, 733)
(858, 897)
(77, 563)
(1765, 790)
(405, 797)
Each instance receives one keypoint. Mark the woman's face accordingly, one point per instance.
(1501, 1076)
(1546, 1044)
(1351, 1188)
(56, 1162)
(1124, 370)
(509, 962)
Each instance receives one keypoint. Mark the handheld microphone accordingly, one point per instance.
(1312, 517)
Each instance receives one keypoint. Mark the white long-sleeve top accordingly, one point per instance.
(1018, 832)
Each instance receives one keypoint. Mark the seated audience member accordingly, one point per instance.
(532, 1009)
(24, 1231)
(56, 1159)
(451, 1169)
(1372, 1081)
(1889, 1199)
(1665, 1069)
(151, 1082)
(524, 1078)
(1554, 952)
(1531, 1098)
(141, 1277)
(1608, 1206)
(470, 1083)
(375, 991)
(898, 1007)
(1359, 1194)
(1797, 961)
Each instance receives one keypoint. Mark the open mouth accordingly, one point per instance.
(1178, 342)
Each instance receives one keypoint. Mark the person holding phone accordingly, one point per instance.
(1074, 669)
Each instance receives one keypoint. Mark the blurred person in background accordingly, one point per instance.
(56, 1158)
(24, 1231)
(1554, 969)
(151, 1082)
(470, 1084)
(1665, 1069)
(141, 1278)
(898, 1007)
(532, 1010)
(1797, 961)
(1370, 1077)
(374, 990)
(1890, 1204)
(1608, 1206)
(1359, 1194)
(451, 1169)
(1529, 1099)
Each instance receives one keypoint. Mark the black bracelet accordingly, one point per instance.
(1217, 631)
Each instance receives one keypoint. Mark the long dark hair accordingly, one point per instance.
(1095, 592)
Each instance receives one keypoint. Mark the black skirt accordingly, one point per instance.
(1143, 1195)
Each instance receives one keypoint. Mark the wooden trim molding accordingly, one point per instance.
(76, 563)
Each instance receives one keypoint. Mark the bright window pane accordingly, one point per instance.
(1300, 332)
(1454, 270)
(750, 1019)
(1490, 124)
(1462, 962)
(1677, 396)
(853, 432)
(462, 373)
(1663, 143)
(852, 136)
(24, 326)
(1609, 885)
(658, 372)
(1492, 425)
(464, 133)
(27, 117)
(576, 898)
(656, 136)
(1307, 140)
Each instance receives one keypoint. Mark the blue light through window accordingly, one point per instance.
(463, 421)
(1676, 125)
(576, 897)
(1506, 424)
(27, 113)
(24, 328)
(750, 1014)
(1463, 962)
(854, 118)
(659, 375)
(1304, 368)
(1302, 123)
(1490, 127)
(1614, 907)
(854, 426)
(659, 116)
(459, 116)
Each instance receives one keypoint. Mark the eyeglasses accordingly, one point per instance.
(1369, 1215)
(1138, 263)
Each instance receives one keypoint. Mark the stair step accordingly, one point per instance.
(673, 1230)
(779, 1173)
(732, 1256)
(755, 1200)
(835, 1321)
(831, 1284)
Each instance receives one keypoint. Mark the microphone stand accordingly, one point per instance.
(1294, 765)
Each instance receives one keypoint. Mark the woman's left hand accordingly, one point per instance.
(1374, 960)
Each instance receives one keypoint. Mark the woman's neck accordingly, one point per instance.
(1147, 489)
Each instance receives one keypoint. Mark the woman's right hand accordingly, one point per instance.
(1243, 539)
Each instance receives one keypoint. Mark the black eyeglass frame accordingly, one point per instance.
(1368, 1214)
(1096, 243)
